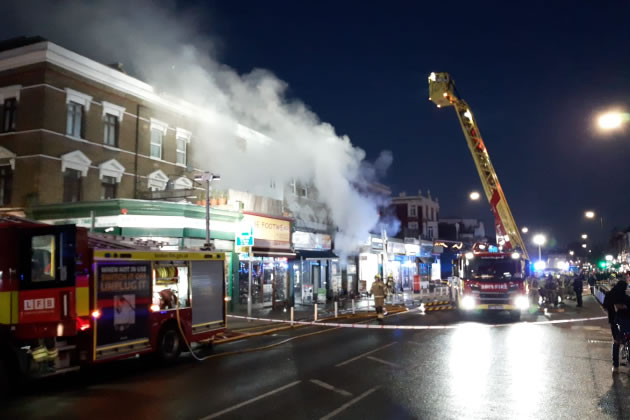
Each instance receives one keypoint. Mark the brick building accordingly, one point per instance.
(418, 215)
(77, 130)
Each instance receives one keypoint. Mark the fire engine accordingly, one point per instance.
(69, 298)
(485, 280)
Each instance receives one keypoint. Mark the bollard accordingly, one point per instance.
(352, 306)
(315, 315)
(335, 309)
(291, 315)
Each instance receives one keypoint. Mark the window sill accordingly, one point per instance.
(181, 165)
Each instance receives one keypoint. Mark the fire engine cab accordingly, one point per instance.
(489, 279)
(68, 299)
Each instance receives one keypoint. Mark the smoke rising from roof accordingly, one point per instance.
(168, 48)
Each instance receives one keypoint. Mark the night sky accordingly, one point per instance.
(534, 75)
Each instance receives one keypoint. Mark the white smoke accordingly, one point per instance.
(167, 48)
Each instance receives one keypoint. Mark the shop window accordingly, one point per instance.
(9, 114)
(180, 148)
(156, 143)
(171, 285)
(42, 258)
(71, 186)
(109, 185)
(74, 122)
(111, 130)
(6, 183)
(304, 192)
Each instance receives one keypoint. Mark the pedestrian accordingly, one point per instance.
(379, 291)
(617, 303)
(578, 286)
(591, 283)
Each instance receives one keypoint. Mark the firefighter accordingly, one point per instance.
(390, 287)
(379, 291)
(577, 288)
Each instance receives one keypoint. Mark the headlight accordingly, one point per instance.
(521, 302)
(468, 303)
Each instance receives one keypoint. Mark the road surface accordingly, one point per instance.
(474, 370)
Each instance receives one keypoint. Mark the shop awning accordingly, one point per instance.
(427, 260)
(315, 255)
(271, 252)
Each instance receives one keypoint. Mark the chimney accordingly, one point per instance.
(402, 194)
(118, 66)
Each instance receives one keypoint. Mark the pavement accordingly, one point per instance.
(479, 367)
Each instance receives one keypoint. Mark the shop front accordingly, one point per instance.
(316, 272)
(267, 261)
(370, 263)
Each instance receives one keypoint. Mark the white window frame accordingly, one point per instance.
(81, 114)
(182, 135)
(111, 168)
(116, 130)
(113, 109)
(304, 188)
(79, 98)
(413, 225)
(293, 185)
(157, 180)
(413, 213)
(161, 127)
(9, 92)
(183, 183)
(76, 160)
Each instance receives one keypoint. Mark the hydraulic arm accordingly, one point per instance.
(442, 92)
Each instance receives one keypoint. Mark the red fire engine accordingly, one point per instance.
(65, 302)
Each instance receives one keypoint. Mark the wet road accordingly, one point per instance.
(472, 371)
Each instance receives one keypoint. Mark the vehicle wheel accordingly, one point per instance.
(169, 344)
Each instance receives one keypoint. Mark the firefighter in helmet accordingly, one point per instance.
(379, 291)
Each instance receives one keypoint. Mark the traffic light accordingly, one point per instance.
(602, 264)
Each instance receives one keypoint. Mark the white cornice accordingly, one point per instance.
(110, 108)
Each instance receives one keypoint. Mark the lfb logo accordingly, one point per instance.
(39, 304)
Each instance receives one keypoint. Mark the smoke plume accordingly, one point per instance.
(168, 48)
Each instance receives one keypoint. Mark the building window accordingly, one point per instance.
(413, 225)
(432, 213)
(272, 184)
(109, 184)
(71, 185)
(111, 130)
(9, 113)
(430, 231)
(413, 211)
(180, 149)
(74, 124)
(304, 192)
(293, 186)
(156, 143)
(6, 181)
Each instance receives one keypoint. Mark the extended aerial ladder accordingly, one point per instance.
(443, 93)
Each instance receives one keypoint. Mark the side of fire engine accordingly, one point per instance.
(65, 303)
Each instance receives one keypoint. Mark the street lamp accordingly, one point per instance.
(539, 239)
(589, 214)
(208, 177)
(609, 257)
(525, 229)
(584, 236)
(571, 253)
(612, 120)
(583, 245)
(474, 196)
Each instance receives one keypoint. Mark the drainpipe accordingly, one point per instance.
(135, 160)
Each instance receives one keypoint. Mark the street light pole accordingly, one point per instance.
(208, 177)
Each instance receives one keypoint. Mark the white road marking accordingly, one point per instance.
(364, 354)
(244, 403)
(385, 362)
(348, 404)
(331, 388)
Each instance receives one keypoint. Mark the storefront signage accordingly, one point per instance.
(311, 241)
(245, 237)
(377, 243)
(412, 249)
(396, 248)
(269, 232)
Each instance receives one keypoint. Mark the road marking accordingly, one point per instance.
(376, 359)
(331, 388)
(348, 404)
(244, 403)
(364, 354)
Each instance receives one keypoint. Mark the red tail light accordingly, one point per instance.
(83, 324)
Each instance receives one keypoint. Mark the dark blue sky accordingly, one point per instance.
(533, 74)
